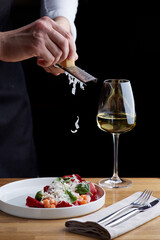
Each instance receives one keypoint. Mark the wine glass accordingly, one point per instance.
(116, 115)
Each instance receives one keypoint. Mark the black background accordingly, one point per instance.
(113, 41)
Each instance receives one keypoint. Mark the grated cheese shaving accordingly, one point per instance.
(76, 125)
(74, 81)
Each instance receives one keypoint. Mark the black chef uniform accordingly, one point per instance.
(17, 152)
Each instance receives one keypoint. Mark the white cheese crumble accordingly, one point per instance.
(73, 80)
(57, 190)
(76, 125)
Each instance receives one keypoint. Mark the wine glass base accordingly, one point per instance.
(110, 183)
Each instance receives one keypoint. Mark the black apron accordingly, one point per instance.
(17, 151)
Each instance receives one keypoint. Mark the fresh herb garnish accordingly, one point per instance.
(63, 180)
(71, 196)
(83, 188)
(57, 179)
(67, 179)
(39, 196)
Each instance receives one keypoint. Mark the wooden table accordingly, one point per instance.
(21, 229)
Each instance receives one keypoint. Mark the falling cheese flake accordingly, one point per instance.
(73, 80)
(76, 125)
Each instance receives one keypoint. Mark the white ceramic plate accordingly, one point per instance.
(13, 199)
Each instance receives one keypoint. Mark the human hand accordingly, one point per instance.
(64, 23)
(44, 39)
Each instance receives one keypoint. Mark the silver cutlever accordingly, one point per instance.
(139, 202)
(131, 214)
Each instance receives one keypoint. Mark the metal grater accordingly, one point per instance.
(77, 72)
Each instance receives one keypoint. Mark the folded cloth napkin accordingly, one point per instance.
(88, 225)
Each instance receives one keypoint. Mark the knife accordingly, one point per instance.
(131, 213)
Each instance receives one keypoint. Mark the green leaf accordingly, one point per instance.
(62, 180)
(57, 180)
(39, 196)
(83, 188)
(72, 197)
(67, 179)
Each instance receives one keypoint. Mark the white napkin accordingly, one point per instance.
(88, 225)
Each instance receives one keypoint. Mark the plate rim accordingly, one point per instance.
(4, 204)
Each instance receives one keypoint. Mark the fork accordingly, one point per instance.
(139, 202)
(131, 213)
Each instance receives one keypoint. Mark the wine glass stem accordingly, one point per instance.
(115, 176)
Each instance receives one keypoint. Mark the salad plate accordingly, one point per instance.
(13, 201)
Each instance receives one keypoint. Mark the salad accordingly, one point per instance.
(66, 191)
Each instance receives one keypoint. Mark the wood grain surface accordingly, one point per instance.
(28, 229)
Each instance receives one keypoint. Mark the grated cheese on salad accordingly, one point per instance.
(66, 191)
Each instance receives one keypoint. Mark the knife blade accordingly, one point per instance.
(132, 213)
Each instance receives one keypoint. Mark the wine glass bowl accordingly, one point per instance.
(116, 115)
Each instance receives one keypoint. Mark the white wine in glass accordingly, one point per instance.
(116, 115)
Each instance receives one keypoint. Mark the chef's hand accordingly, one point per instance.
(63, 23)
(48, 40)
